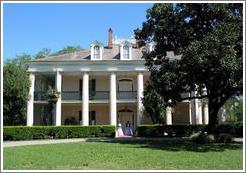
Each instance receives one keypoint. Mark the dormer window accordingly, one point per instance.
(96, 50)
(126, 51)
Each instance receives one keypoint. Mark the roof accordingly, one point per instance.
(108, 54)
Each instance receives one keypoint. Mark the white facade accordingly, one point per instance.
(101, 89)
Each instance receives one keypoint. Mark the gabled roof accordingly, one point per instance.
(108, 54)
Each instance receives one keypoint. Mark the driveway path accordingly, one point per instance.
(56, 141)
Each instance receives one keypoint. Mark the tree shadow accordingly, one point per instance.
(177, 145)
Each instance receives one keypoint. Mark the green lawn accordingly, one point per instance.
(124, 155)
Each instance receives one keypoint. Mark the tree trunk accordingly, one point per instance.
(213, 115)
(215, 103)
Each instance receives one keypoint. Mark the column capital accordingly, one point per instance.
(112, 72)
(58, 70)
(85, 72)
(140, 72)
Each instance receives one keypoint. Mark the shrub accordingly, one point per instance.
(202, 138)
(224, 138)
(235, 130)
(57, 132)
(167, 130)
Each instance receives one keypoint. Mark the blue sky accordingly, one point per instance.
(28, 28)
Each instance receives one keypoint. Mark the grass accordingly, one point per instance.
(125, 155)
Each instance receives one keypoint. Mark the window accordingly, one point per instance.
(92, 118)
(125, 52)
(96, 52)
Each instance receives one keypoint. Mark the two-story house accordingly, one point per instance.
(100, 85)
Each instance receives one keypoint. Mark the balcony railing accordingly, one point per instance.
(121, 95)
(71, 95)
(39, 95)
(99, 95)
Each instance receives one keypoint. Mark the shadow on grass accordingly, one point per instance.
(178, 145)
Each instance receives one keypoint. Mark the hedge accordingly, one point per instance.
(186, 130)
(56, 132)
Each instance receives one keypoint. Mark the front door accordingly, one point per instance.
(124, 118)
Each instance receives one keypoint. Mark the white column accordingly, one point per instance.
(58, 103)
(113, 104)
(169, 115)
(30, 100)
(196, 110)
(190, 112)
(198, 107)
(140, 89)
(205, 113)
(85, 100)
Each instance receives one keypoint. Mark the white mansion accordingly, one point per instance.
(101, 85)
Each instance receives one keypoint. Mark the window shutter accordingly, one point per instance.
(93, 83)
(92, 117)
(92, 87)
(80, 88)
(80, 115)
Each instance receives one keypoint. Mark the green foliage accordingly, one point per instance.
(202, 138)
(52, 95)
(235, 129)
(15, 90)
(224, 138)
(68, 49)
(208, 38)
(234, 109)
(186, 130)
(168, 130)
(43, 53)
(154, 106)
(57, 132)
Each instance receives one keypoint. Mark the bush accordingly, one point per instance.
(202, 138)
(235, 130)
(56, 132)
(224, 138)
(167, 130)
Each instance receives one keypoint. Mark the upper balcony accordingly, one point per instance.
(99, 89)
(97, 95)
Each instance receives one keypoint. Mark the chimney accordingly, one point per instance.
(138, 43)
(110, 38)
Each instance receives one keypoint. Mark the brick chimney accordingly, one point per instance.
(137, 43)
(110, 38)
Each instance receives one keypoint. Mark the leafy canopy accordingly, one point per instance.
(154, 106)
(208, 39)
(15, 90)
